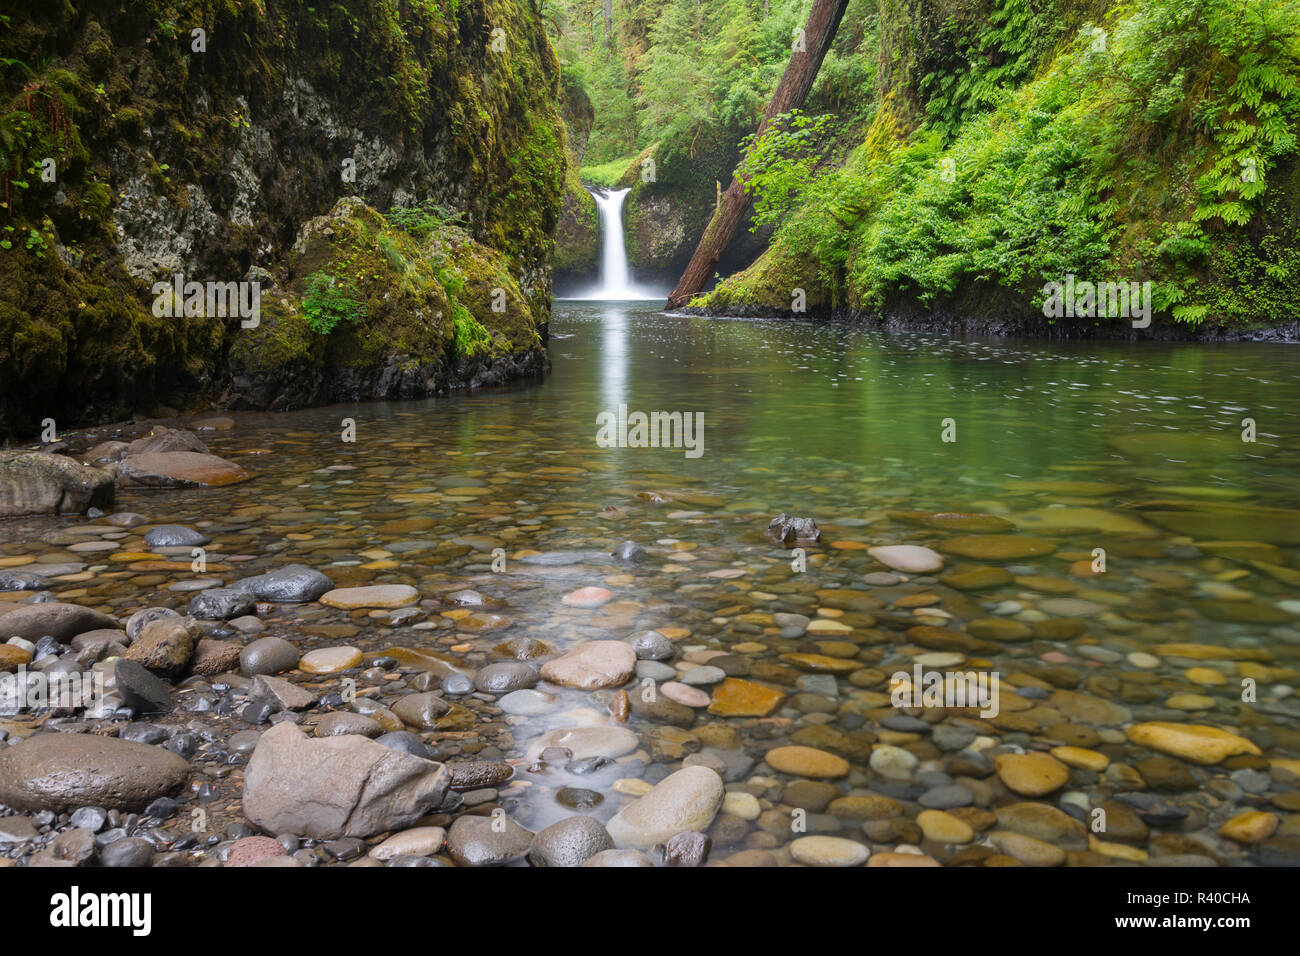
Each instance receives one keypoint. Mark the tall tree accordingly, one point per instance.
(809, 49)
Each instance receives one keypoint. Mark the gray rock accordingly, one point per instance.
(631, 552)
(130, 851)
(527, 703)
(651, 646)
(293, 584)
(341, 722)
(406, 742)
(137, 621)
(61, 772)
(220, 604)
(505, 677)
(570, 842)
(141, 690)
(655, 671)
(475, 841)
(17, 830)
(279, 694)
(174, 536)
(475, 774)
(35, 482)
(163, 440)
(61, 621)
(946, 797)
(267, 655)
(332, 787)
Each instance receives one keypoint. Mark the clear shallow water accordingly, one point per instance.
(1134, 449)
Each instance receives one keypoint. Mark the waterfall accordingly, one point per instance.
(615, 277)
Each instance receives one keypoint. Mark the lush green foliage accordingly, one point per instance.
(329, 303)
(1139, 149)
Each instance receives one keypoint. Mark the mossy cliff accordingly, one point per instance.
(1008, 145)
(223, 156)
(577, 236)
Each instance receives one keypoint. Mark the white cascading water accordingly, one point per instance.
(615, 278)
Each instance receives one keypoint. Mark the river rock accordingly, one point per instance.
(181, 469)
(588, 598)
(330, 660)
(279, 694)
(570, 842)
(527, 703)
(212, 657)
(651, 646)
(909, 558)
(1031, 774)
(37, 482)
(162, 440)
(12, 658)
(375, 596)
(333, 787)
(592, 665)
(585, 742)
(174, 536)
(791, 532)
(292, 584)
(141, 690)
(688, 799)
(828, 851)
(253, 849)
(267, 655)
(62, 772)
(807, 762)
(480, 841)
(220, 604)
(741, 698)
(61, 621)
(630, 551)
(340, 722)
(506, 677)
(417, 841)
(166, 645)
(1195, 742)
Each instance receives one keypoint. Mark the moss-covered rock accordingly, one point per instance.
(206, 159)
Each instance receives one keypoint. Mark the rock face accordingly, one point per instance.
(686, 800)
(90, 348)
(62, 772)
(35, 482)
(333, 787)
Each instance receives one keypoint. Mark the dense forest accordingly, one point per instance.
(952, 154)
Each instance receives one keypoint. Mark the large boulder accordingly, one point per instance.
(332, 787)
(61, 621)
(62, 772)
(36, 482)
(292, 584)
(179, 469)
(162, 440)
(686, 800)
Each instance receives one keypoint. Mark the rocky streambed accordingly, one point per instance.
(640, 682)
(474, 637)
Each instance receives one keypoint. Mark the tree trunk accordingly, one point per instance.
(790, 93)
(609, 21)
